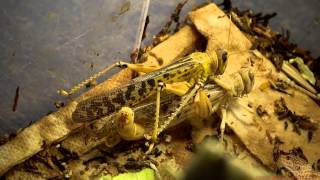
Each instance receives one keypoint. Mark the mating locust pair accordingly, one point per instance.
(191, 78)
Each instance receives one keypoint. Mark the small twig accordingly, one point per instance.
(16, 98)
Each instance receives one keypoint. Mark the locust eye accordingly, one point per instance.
(222, 59)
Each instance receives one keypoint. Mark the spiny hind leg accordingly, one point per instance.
(179, 88)
(121, 64)
(185, 99)
(157, 116)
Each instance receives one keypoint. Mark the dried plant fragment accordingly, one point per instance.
(304, 70)
(16, 99)
(298, 121)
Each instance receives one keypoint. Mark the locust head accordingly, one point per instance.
(218, 61)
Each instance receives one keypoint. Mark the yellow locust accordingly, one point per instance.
(184, 77)
(134, 123)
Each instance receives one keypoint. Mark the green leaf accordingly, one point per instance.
(145, 174)
(306, 73)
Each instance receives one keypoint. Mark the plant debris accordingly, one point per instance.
(144, 34)
(58, 104)
(310, 136)
(226, 4)
(280, 86)
(316, 165)
(294, 164)
(298, 121)
(16, 99)
(285, 125)
(125, 7)
(6, 137)
(276, 148)
(306, 73)
(175, 17)
(281, 109)
(261, 111)
(145, 174)
(191, 147)
(136, 53)
(91, 83)
(269, 136)
(275, 46)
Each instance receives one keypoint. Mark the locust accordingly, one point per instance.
(134, 123)
(183, 78)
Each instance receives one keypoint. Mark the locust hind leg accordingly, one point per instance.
(185, 99)
(157, 115)
(121, 64)
(178, 88)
